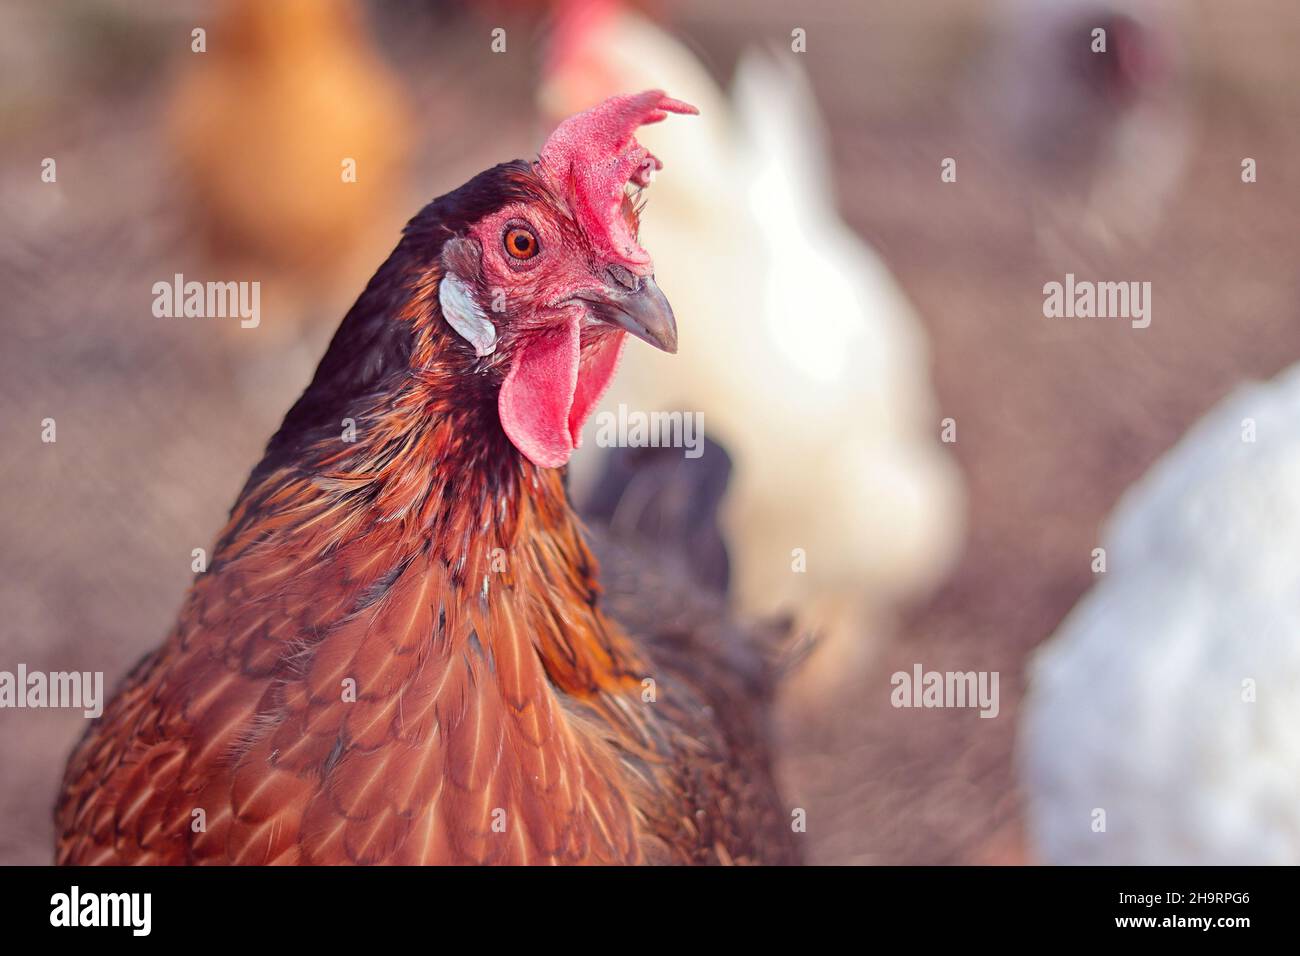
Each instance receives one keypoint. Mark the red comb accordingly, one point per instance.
(592, 156)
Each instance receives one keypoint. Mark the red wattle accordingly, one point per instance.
(546, 398)
(594, 377)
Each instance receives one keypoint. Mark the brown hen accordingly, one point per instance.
(401, 652)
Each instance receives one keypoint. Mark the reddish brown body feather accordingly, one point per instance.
(498, 713)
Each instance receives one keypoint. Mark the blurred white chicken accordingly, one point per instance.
(1170, 697)
(808, 362)
(1100, 138)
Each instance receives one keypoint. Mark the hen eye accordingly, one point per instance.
(521, 243)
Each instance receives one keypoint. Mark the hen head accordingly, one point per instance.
(543, 286)
(1135, 63)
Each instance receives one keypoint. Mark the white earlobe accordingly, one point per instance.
(465, 316)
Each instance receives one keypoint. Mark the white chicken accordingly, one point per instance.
(805, 357)
(1169, 699)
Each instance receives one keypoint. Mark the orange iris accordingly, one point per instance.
(521, 243)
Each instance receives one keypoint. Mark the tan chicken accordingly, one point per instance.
(268, 127)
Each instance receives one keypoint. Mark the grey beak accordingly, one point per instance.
(642, 310)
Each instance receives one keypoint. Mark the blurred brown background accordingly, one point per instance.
(159, 421)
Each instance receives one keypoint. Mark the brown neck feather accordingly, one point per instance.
(431, 476)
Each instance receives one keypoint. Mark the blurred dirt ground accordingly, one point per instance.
(159, 422)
